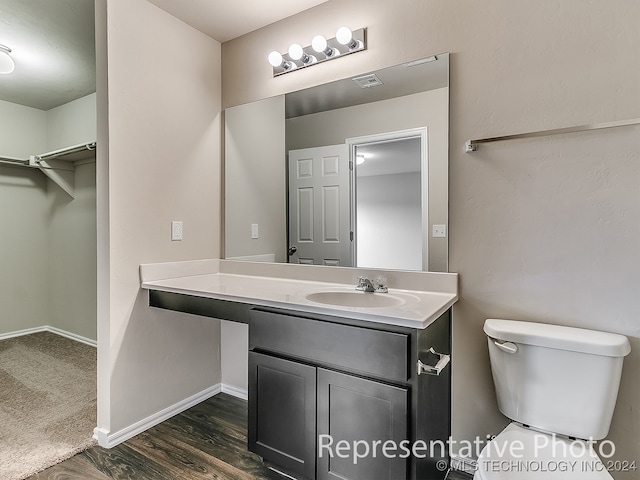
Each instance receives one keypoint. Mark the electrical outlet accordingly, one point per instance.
(176, 231)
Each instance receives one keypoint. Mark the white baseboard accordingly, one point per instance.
(235, 391)
(463, 464)
(48, 328)
(108, 440)
(72, 336)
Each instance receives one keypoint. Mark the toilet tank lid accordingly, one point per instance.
(558, 337)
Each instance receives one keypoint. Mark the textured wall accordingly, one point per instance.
(72, 123)
(71, 240)
(71, 248)
(543, 229)
(24, 130)
(161, 162)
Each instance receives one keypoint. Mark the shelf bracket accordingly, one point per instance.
(59, 165)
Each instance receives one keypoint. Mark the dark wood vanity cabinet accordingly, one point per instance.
(325, 395)
(355, 409)
(282, 412)
(312, 375)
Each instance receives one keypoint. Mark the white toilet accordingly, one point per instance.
(559, 386)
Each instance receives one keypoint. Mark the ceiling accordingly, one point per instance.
(389, 158)
(403, 79)
(53, 46)
(223, 20)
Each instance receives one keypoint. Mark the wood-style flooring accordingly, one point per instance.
(207, 441)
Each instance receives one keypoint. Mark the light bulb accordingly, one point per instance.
(319, 43)
(344, 35)
(6, 62)
(275, 59)
(295, 51)
(360, 159)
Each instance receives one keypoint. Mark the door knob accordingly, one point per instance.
(292, 250)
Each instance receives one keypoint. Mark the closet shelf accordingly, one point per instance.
(472, 145)
(58, 165)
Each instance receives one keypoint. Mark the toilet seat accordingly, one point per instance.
(520, 453)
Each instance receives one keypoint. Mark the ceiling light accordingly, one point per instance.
(7, 64)
(360, 159)
(297, 56)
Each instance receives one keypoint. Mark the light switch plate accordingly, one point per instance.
(439, 231)
(254, 230)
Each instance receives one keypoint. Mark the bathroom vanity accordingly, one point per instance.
(335, 390)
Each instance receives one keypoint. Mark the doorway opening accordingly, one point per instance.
(389, 201)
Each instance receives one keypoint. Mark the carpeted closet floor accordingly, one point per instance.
(47, 402)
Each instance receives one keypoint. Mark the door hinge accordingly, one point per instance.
(351, 165)
(351, 236)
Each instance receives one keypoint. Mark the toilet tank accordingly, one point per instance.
(557, 379)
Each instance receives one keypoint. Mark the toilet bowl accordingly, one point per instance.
(559, 387)
(520, 453)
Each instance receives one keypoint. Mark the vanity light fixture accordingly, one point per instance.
(321, 49)
(7, 64)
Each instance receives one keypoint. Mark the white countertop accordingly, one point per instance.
(287, 285)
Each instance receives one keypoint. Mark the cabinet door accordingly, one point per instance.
(282, 412)
(352, 409)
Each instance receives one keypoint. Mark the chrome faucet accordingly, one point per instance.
(365, 285)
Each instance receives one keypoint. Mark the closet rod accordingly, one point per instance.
(65, 151)
(472, 145)
(15, 161)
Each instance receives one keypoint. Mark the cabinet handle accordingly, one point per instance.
(443, 361)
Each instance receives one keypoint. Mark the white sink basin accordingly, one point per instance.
(356, 299)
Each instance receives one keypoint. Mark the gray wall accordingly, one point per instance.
(72, 224)
(71, 249)
(255, 179)
(389, 221)
(23, 250)
(543, 229)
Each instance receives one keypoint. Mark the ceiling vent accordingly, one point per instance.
(367, 81)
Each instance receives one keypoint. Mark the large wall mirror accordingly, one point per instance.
(349, 173)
